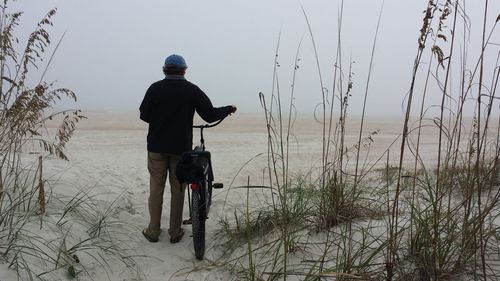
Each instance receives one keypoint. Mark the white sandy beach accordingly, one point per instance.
(108, 159)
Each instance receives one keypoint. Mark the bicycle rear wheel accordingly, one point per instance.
(198, 224)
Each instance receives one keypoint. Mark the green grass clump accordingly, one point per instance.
(266, 219)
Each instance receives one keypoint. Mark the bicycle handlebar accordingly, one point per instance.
(209, 125)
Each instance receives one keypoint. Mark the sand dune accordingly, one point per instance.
(108, 159)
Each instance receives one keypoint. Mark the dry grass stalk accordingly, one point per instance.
(41, 190)
(394, 213)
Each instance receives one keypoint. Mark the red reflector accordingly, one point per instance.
(194, 186)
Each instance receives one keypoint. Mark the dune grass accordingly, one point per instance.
(418, 221)
(45, 235)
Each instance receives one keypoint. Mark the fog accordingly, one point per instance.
(113, 50)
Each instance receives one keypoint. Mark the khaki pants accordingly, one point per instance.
(160, 165)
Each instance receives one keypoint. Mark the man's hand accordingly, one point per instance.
(233, 109)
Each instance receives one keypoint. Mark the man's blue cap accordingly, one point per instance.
(175, 61)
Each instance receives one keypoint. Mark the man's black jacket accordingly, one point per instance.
(169, 107)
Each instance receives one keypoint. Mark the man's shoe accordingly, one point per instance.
(148, 236)
(178, 238)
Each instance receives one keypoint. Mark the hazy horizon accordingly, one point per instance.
(112, 51)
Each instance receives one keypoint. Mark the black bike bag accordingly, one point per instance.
(193, 166)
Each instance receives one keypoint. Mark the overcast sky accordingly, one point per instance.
(113, 50)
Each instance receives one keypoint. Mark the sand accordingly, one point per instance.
(108, 158)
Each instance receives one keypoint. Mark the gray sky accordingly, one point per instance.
(113, 50)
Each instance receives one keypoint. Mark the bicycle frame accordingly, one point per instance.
(207, 170)
(203, 185)
(195, 170)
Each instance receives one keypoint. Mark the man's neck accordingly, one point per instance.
(175, 77)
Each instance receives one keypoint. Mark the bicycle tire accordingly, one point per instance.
(198, 224)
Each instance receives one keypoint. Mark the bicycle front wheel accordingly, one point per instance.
(198, 224)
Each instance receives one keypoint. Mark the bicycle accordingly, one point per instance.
(195, 171)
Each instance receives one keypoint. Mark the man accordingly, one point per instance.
(169, 107)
